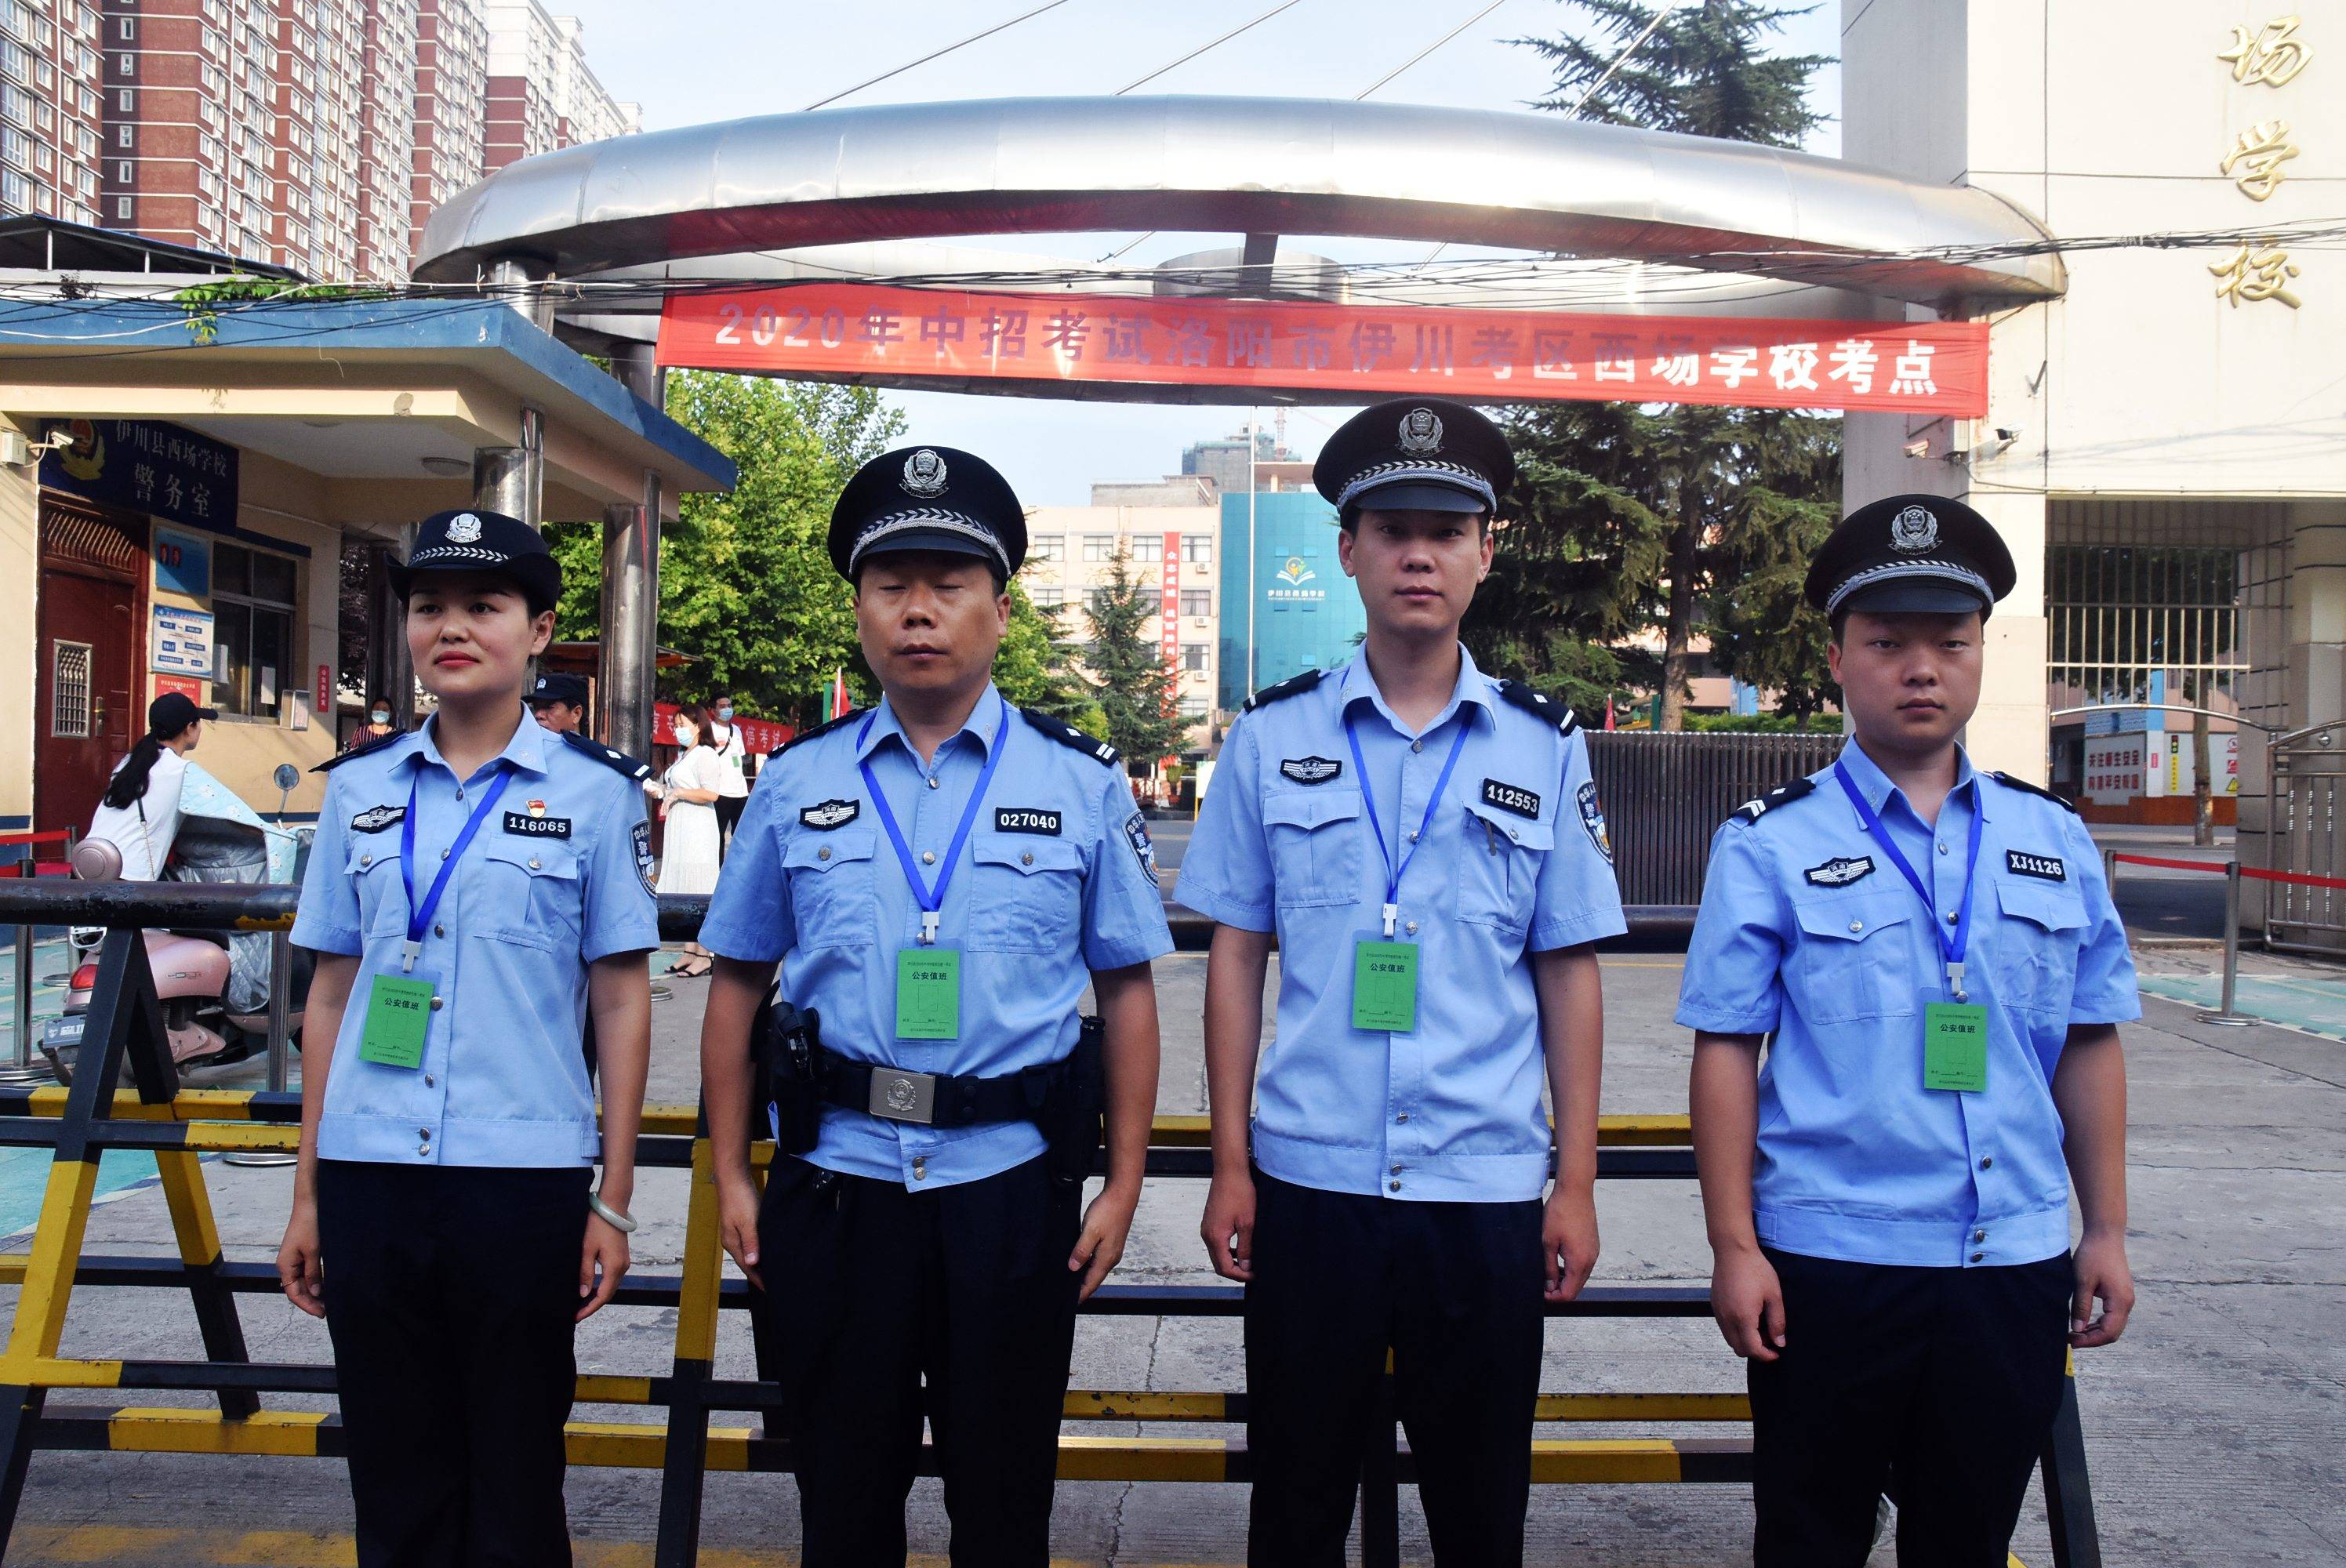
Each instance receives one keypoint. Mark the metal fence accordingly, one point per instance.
(2308, 772)
(1665, 794)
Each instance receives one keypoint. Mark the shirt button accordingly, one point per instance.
(366, 859)
(535, 866)
(1979, 1235)
(1394, 1186)
(1986, 1161)
(1396, 1170)
(460, 791)
(423, 1133)
(1412, 835)
(1403, 1117)
(823, 853)
(444, 854)
(933, 780)
(1412, 928)
(919, 1168)
(439, 930)
(430, 1081)
(1979, 1257)
(1417, 745)
(1943, 848)
(1027, 858)
(928, 857)
(1953, 917)
(1856, 925)
(436, 1003)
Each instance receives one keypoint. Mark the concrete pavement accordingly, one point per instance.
(2214, 1430)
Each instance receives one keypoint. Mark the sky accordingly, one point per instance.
(690, 62)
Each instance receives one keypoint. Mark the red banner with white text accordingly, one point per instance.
(1483, 356)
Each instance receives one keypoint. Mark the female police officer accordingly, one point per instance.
(477, 885)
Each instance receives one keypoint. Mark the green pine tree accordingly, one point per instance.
(1129, 680)
(1627, 516)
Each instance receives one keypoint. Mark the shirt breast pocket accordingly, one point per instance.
(1854, 958)
(1026, 893)
(1499, 864)
(2037, 944)
(832, 896)
(1315, 845)
(373, 871)
(529, 894)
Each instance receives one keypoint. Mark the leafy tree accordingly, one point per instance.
(1630, 516)
(1034, 666)
(1134, 689)
(747, 590)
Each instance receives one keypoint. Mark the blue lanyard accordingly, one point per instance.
(1368, 798)
(1952, 945)
(419, 916)
(932, 900)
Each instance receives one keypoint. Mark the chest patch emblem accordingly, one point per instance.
(825, 815)
(1025, 819)
(375, 820)
(1310, 769)
(2044, 867)
(1136, 834)
(1513, 797)
(537, 826)
(1592, 817)
(1840, 871)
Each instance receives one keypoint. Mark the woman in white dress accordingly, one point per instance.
(724, 737)
(689, 851)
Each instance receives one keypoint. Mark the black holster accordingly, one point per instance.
(785, 1044)
(1071, 1117)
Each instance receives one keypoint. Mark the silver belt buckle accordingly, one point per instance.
(902, 1096)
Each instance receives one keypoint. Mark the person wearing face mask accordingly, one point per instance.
(724, 737)
(377, 726)
(689, 846)
(478, 888)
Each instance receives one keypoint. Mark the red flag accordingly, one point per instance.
(1608, 713)
(839, 704)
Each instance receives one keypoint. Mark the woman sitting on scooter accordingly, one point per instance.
(139, 813)
(477, 886)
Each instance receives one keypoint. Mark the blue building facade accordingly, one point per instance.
(1283, 589)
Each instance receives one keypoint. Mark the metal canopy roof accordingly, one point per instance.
(1252, 165)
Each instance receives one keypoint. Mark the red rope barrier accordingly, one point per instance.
(54, 836)
(2294, 879)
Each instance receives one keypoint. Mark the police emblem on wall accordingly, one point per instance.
(464, 529)
(1913, 529)
(924, 474)
(1420, 432)
(1592, 817)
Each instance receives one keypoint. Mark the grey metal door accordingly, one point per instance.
(1665, 795)
(2308, 772)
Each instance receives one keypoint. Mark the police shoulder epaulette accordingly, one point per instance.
(1067, 735)
(1293, 685)
(618, 761)
(1752, 811)
(377, 744)
(803, 736)
(1543, 707)
(2027, 787)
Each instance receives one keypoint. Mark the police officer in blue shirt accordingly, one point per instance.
(1934, 953)
(1428, 847)
(479, 886)
(938, 877)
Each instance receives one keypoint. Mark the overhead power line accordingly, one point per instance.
(933, 55)
(1244, 26)
(1413, 59)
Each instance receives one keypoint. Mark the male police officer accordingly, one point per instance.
(938, 876)
(558, 702)
(1428, 846)
(1936, 956)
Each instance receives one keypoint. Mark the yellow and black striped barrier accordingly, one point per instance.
(179, 1127)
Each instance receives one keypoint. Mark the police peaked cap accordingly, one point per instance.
(1415, 454)
(476, 541)
(555, 686)
(936, 498)
(1912, 554)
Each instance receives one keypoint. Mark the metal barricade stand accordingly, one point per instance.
(125, 1025)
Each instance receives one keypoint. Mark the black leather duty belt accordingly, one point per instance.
(937, 1099)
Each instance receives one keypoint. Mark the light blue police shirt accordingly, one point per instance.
(558, 876)
(1807, 930)
(1058, 878)
(1514, 860)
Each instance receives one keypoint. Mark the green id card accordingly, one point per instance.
(398, 1015)
(1384, 985)
(1954, 1046)
(928, 993)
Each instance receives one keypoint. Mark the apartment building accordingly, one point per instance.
(1173, 553)
(311, 134)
